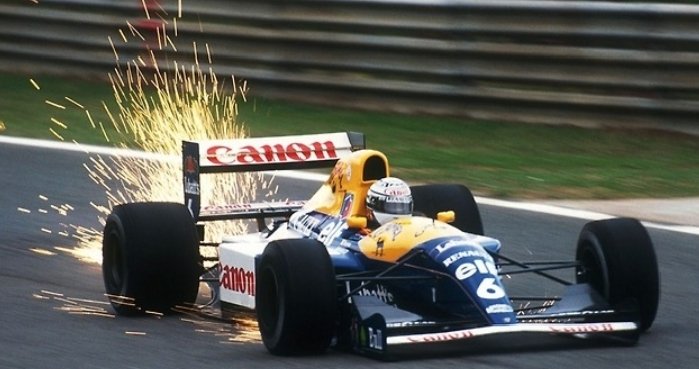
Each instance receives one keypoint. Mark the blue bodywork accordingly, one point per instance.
(455, 275)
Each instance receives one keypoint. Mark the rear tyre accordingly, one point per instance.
(296, 297)
(431, 199)
(617, 259)
(151, 257)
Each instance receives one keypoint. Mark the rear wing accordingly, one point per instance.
(258, 154)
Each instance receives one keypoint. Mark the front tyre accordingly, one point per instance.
(151, 259)
(296, 297)
(617, 259)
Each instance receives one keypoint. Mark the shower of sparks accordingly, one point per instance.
(145, 8)
(55, 105)
(75, 306)
(74, 102)
(55, 134)
(238, 328)
(158, 103)
(116, 54)
(46, 292)
(42, 251)
(59, 123)
(36, 86)
(84, 252)
(123, 36)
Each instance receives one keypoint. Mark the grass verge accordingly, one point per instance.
(496, 159)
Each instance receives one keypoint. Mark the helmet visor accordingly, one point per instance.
(395, 205)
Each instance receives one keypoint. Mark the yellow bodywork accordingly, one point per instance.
(393, 240)
(347, 178)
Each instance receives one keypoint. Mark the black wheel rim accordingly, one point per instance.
(592, 270)
(113, 264)
(270, 309)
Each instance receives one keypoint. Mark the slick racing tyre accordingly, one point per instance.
(431, 199)
(617, 259)
(296, 297)
(151, 259)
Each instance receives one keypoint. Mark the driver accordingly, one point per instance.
(388, 199)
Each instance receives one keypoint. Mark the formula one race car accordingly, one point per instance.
(328, 272)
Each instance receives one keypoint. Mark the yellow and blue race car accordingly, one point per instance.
(368, 263)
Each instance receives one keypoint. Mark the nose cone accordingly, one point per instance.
(467, 260)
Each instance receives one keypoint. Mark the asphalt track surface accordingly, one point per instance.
(47, 299)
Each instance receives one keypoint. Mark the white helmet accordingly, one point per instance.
(389, 198)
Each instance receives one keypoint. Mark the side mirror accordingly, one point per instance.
(356, 222)
(446, 216)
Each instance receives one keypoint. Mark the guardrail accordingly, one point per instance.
(589, 63)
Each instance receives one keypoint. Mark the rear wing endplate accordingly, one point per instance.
(258, 154)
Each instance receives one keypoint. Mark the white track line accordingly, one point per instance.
(294, 174)
(576, 213)
(88, 149)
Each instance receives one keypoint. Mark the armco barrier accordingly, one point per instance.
(590, 63)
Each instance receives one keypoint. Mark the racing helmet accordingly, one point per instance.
(388, 199)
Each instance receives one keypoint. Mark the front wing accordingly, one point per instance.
(552, 328)
(379, 327)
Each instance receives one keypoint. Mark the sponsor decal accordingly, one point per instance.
(563, 317)
(190, 165)
(499, 308)
(191, 187)
(331, 231)
(392, 187)
(379, 292)
(390, 230)
(399, 200)
(488, 287)
(419, 323)
(397, 191)
(226, 209)
(516, 328)
(375, 338)
(584, 312)
(347, 205)
(250, 207)
(465, 241)
(470, 263)
(466, 270)
(441, 337)
(464, 254)
(238, 280)
(431, 227)
(379, 247)
(304, 222)
(586, 328)
(549, 320)
(341, 172)
(274, 153)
